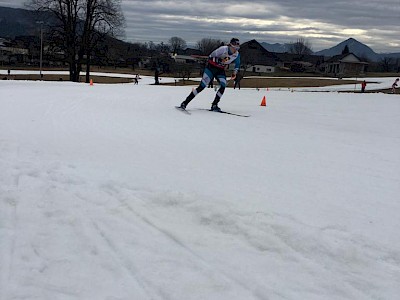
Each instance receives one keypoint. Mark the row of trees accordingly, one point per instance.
(301, 46)
(176, 44)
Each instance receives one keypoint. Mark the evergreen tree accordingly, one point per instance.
(346, 50)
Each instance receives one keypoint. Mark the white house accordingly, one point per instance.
(261, 69)
(345, 65)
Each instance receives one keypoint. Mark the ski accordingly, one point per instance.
(182, 110)
(205, 109)
(225, 112)
(231, 113)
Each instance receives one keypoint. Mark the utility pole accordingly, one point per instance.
(41, 47)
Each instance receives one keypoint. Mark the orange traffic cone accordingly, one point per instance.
(91, 81)
(263, 101)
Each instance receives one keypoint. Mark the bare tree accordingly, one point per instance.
(150, 46)
(80, 25)
(65, 32)
(300, 47)
(207, 45)
(163, 48)
(102, 18)
(177, 43)
(386, 63)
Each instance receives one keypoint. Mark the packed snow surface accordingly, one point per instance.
(109, 192)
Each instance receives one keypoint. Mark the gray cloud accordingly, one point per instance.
(11, 3)
(373, 22)
(324, 24)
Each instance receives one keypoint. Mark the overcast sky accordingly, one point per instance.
(323, 24)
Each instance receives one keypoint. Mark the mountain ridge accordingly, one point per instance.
(356, 47)
(16, 21)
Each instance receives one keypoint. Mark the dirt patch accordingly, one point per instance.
(46, 77)
(279, 82)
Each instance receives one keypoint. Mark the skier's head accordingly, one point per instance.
(235, 44)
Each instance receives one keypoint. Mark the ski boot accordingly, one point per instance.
(215, 107)
(183, 105)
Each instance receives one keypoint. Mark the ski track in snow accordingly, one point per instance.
(321, 250)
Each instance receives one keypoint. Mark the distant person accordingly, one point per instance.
(156, 76)
(363, 86)
(136, 79)
(237, 81)
(218, 61)
(394, 85)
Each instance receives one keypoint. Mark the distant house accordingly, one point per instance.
(345, 65)
(3, 42)
(190, 51)
(299, 62)
(255, 58)
(188, 59)
(260, 69)
(12, 54)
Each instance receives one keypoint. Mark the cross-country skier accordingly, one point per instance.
(394, 86)
(218, 61)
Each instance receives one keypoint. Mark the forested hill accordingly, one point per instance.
(15, 22)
